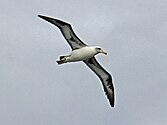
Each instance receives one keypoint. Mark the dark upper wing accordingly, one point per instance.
(104, 76)
(67, 32)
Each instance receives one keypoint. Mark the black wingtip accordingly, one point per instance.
(112, 105)
(49, 19)
(111, 100)
(44, 17)
(41, 16)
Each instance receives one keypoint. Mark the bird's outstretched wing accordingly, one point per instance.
(67, 32)
(104, 76)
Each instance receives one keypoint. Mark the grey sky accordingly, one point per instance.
(34, 90)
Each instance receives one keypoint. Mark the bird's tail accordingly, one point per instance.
(60, 62)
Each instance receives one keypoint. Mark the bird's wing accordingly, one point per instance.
(67, 32)
(104, 76)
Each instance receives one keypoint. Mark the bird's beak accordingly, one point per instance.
(103, 52)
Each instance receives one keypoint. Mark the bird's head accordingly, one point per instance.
(100, 50)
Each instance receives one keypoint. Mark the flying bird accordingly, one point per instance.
(85, 53)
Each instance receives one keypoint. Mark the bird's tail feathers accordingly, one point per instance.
(60, 62)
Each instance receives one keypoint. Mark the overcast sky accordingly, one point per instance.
(34, 90)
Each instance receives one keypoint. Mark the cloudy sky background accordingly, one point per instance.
(34, 90)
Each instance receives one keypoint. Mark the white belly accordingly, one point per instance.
(81, 54)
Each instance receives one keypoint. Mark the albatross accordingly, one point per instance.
(85, 53)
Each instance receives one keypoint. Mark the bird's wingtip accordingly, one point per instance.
(112, 102)
(39, 15)
(44, 17)
(112, 105)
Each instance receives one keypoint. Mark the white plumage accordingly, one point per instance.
(85, 53)
(82, 54)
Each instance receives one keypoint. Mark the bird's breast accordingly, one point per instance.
(82, 54)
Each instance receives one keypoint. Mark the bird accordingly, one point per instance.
(85, 53)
